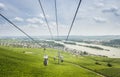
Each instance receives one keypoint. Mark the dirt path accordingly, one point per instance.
(79, 66)
(87, 69)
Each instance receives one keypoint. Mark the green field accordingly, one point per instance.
(28, 62)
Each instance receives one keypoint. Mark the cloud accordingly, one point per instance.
(99, 5)
(19, 19)
(31, 26)
(111, 9)
(2, 6)
(99, 19)
(117, 13)
(42, 16)
(35, 20)
(115, 10)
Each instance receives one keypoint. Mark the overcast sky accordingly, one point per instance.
(95, 17)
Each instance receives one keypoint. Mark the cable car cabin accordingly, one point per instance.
(54, 58)
(44, 49)
(45, 62)
(61, 58)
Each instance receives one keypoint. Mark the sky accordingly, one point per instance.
(94, 18)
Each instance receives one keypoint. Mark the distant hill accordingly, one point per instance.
(73, 37)
(107, 37)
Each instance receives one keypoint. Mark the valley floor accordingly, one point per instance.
(28, 62)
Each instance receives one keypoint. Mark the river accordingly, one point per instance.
(112, 53)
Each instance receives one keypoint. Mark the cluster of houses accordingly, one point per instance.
(76, 52)
(19, 44)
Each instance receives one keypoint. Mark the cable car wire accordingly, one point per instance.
(56, 19)
(45, 18)
(19, 29)
(57, 28)
(73, 19)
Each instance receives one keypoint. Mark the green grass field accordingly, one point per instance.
(28, 62)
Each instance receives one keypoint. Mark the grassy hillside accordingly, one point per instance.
(28, 62)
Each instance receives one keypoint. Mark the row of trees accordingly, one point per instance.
(113, 43)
